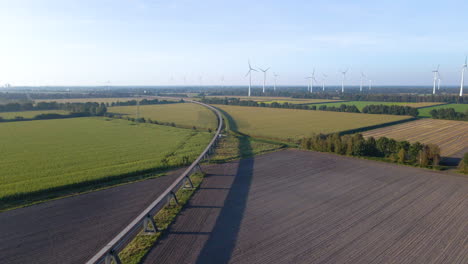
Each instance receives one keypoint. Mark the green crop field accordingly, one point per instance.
(30, 114)
(424, 112)
(39, 155)
(287, 124)
(183, 114)
(360, 104)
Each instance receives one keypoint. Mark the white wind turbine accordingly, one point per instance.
(323, 82)
(276, 77)
(308, 83)
(436, 76)
(264, 77)
(362, 78)
(462, 75)
(312, 79)
(370, 84)
(342, 81)
(249, 73)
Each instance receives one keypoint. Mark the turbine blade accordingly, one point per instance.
(267, 68)
(247, 73)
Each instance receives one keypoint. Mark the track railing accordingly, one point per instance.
(144, 221)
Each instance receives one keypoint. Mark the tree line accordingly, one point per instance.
(386, 148)
(370, 109)
(390, 110)
(144, 102)
(387, 97)
(448, 113)
(75, 109)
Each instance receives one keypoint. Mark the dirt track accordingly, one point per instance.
(306, 207)
(71, 230)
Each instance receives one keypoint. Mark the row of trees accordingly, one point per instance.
(390, 110)
(389, 149)
(370, 109)
(388, 97)
(91, 108)
(448, 113)
(144, 102)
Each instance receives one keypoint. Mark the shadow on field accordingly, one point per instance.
(223, 237)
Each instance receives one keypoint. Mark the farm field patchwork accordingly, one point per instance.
(96, 100)
(450, 136)
(182, 114)
(285, 124)
(458, 108)
(269, 100)
(39, 155)
(361, 104)
(30, 114)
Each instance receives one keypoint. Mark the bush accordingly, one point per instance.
(463, 166)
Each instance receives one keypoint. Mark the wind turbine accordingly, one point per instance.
(312, 79)
(436, 76)
(462, 76)
(264, 77)
(308, 83)
(222, 81)
(370, 85)
(249, 73)
(342, 81)
(362, 77)
(276, 76)
(323, 82)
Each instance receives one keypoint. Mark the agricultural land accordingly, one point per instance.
(292, 124)
(40, 155)
(361, 104)
(30, 114)
(182, 114)
(450, 136)
(424, 112)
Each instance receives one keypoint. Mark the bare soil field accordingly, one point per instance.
(308, 207)
(450, 136)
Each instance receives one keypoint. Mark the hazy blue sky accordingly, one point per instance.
(143, 42)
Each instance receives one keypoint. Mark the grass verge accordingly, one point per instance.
(137, 249)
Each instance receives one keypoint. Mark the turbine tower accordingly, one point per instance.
(308, 83)
(436, 76)
(312, 79)
(370, 85)
(462, 75)
(276, 77)
(264, 77)
(342, 81)
(323, 82)
(362, 78)
(249, 73)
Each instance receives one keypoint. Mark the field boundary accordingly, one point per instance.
(362, 129)
(109, 253)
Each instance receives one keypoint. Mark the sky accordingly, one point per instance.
(177, 42)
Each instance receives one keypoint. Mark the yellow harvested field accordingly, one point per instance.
(285, 124)
(281, 100)
(182, 114)
(450, 136)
